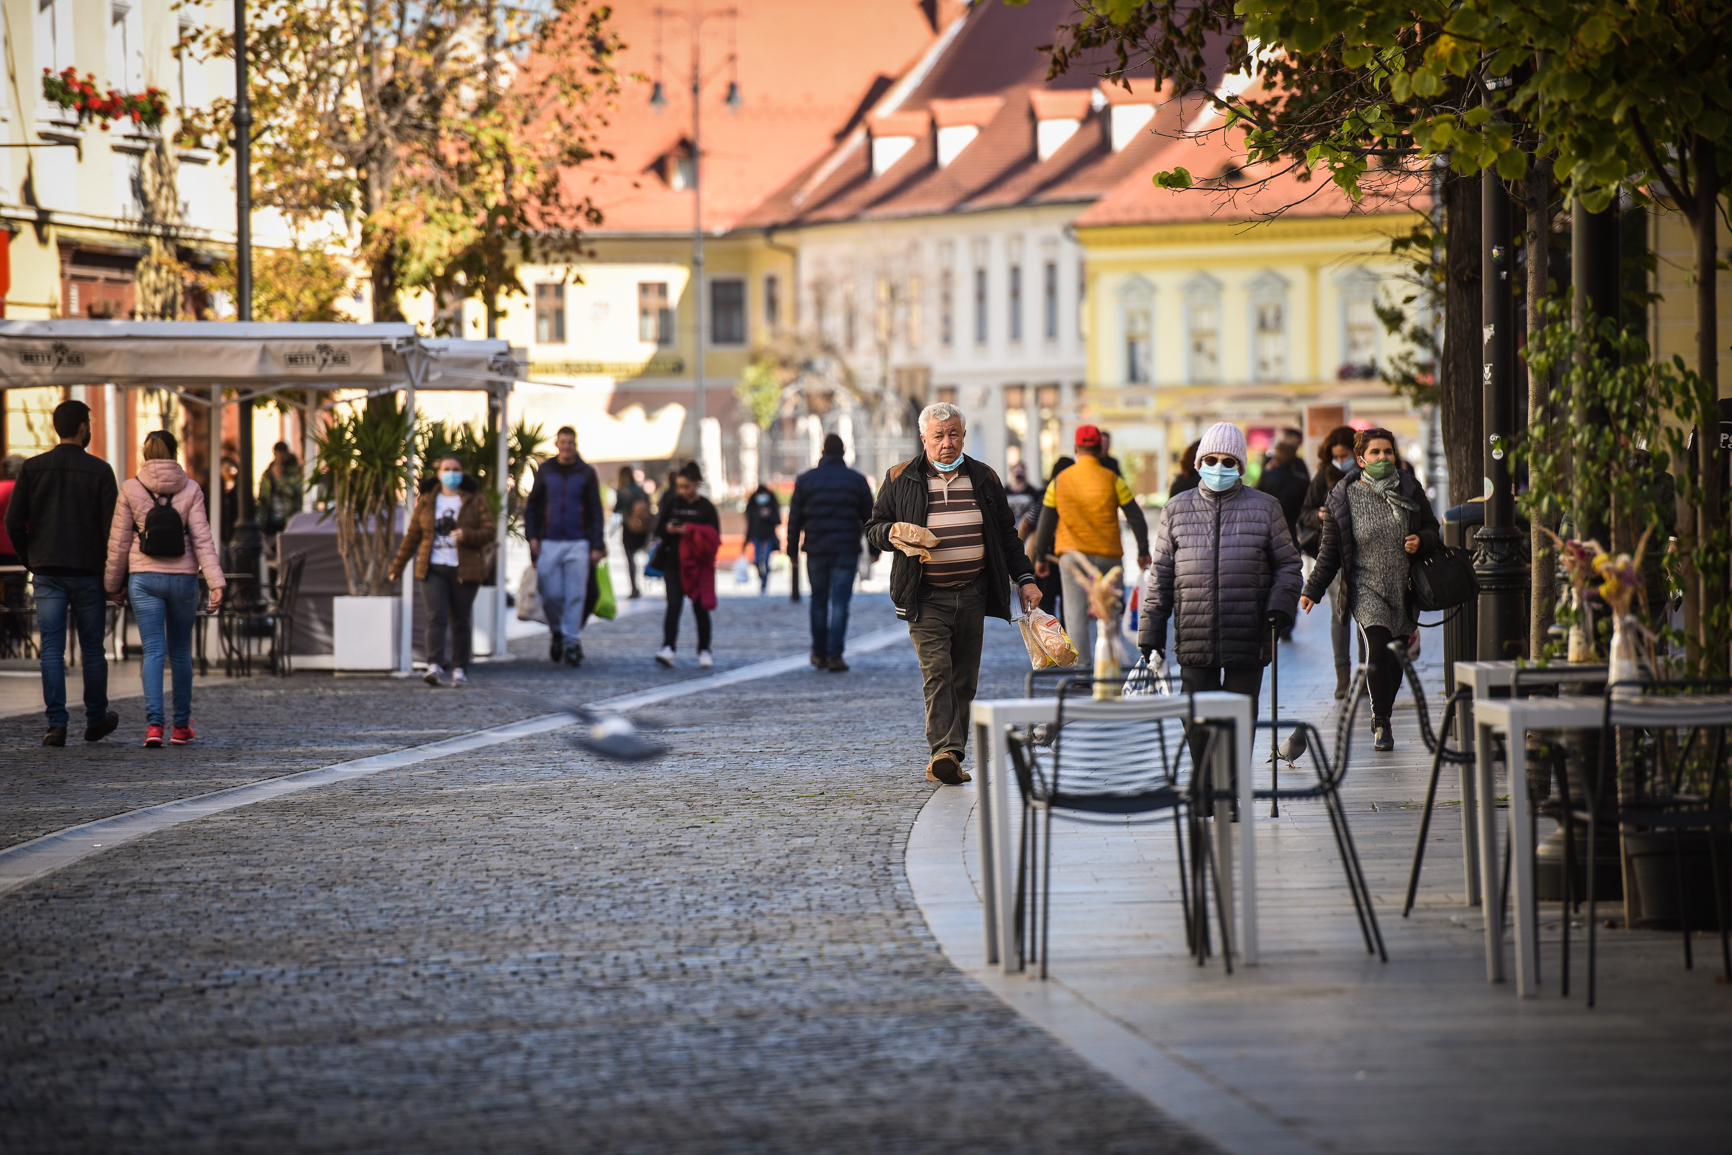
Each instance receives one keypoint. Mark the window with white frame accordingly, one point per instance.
(1360, 326)
(54, 48)
(550, 313)
(655, 320)
(1137, 320)
(1049, 301)
(1268, 298)
(126, 45)
(980, 306)
(1202, 330)
(1016, 302)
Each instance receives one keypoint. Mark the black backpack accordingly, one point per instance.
(163, 534)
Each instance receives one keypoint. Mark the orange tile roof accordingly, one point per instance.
(808, 72)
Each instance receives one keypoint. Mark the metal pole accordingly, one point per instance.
(502, 466)
(698, 412)
(249, 540)
(1498, 564)
(406, 638)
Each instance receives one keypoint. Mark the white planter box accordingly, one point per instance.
(365, 633)
(482, 623)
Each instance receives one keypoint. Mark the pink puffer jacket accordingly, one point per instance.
(167, 479)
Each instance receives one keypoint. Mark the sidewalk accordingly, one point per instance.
(1322, 1047)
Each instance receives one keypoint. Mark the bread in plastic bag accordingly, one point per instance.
(1048, 644)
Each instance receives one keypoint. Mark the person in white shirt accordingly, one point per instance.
(451, 534)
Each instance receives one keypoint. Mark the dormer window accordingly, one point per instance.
(1057, 116)
(679, 168)
(1128, 112)
(960, 121)
(893, 137)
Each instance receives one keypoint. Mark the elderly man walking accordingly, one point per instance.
(957, 554)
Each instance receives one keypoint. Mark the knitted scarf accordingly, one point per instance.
(1389, 489)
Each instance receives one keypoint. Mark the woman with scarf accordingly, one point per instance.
(1376, 522)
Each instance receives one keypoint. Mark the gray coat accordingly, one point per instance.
(1222, 562)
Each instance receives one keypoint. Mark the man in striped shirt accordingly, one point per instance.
(957, 555)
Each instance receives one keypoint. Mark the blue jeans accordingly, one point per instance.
(762, 548)
(81, 594)
(832, 579)
(165, 605)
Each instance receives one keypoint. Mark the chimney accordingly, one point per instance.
(1058, 113)
(894, 135)
(960, 121)
(1128, 113)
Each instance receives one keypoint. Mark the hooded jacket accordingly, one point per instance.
(1338, 553)
(830, 506)
(1222, 562)
(166, 478)
(902, 497)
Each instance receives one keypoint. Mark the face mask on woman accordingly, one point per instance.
(451, 478)
(1380, 470)
(1343, 461)
(1219, 477)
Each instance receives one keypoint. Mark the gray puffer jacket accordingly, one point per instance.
(1222, 562)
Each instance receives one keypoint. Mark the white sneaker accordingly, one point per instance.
(458, 677)
(705, 662)
(431, 677)
(665, 656)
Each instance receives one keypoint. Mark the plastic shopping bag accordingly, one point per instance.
(1144, 680)
(529, 597)
(605, 605)
(1048, 644)
(742, 570)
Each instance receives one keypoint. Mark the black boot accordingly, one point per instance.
(1342, 678)
(556, 648)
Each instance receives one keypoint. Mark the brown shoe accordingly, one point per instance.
(56, 736)
(945, 768)
(838, 666)
(966, 776)
(819, 661)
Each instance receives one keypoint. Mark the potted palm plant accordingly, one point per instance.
(364, 466)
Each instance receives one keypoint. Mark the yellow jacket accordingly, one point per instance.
(1086, 497)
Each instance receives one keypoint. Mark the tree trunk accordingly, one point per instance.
(1706, 224)
(1459, 402)
(1542, 404)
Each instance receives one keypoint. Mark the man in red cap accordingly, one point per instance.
(1081, 515)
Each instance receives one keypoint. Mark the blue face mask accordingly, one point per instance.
(451, 478)
(1219, 477)
(951, 468)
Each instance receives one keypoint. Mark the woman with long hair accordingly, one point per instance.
(158, 543)
(1376, 522)
(686, 513)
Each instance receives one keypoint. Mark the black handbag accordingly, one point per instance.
(1444, 580)
(1310, 537)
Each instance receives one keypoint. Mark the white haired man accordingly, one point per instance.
(956, 555)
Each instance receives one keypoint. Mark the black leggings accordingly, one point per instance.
(676, 606)
(1383, 675)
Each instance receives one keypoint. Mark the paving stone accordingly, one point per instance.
(525, 948)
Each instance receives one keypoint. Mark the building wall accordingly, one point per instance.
(1246, 323)
(1672, 321)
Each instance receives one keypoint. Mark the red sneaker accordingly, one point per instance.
(153, 735)
(181, 734)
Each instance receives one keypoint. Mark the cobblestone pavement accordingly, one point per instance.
(524, 949)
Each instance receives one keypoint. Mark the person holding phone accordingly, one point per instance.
(451, 534)
(682, 509)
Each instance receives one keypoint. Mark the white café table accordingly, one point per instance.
(1485, 678)
(1000, 801)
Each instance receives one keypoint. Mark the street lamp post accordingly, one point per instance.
(248, 547)
(696, 18)
(1498, 564)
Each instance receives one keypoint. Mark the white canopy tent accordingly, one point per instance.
(198, 361)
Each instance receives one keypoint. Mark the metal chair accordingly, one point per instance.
(288, 597)
(1329, 771)
(17, 617)
(1107, 761)
(1655, 791)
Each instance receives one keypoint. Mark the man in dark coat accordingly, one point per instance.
(947, 517)
(58, 521)
(829, 510)
(566, 528)
(1285, 479)
(1225, 574)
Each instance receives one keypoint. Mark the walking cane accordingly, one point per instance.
(1274, 721)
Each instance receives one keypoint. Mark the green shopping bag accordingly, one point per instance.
(605, 606)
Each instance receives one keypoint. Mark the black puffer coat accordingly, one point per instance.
(1337, 554)
(1222, 562)
(829, 509)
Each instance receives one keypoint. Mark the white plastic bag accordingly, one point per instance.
(529, 597)
(742, 570)
(1143, 680)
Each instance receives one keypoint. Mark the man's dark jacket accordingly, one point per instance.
(1287, 484)
(61, 510)
(902, 497)
(1339, 553)
(830, 506)
(565, 505)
